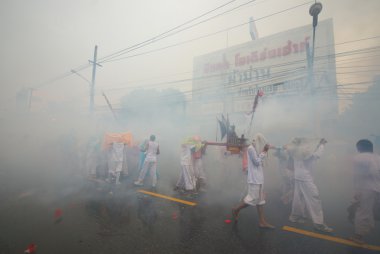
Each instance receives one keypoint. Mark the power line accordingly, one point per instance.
(160, 36)
(347, 42)
(211, 34)
(67, 74)
(203, 21)
(287, 64)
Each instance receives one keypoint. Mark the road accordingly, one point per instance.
(98, 217)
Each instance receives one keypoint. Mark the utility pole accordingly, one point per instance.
(92, 85)
(30, 98)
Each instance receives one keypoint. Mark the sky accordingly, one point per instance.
(42, 41)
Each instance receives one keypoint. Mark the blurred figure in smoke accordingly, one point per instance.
(187, 180)
(232, 136)
(367, 188)
(255, 179)
(376, 139)
(70, 154)
(199, 171)
(142, 156)
(286, 169)
(115, 161)
(91, 157)
(304, 152)
(150, 162)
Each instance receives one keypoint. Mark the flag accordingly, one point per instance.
(222, 126)
(228, 123)
(260, 93)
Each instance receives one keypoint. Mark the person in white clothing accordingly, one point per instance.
(91, 157)
(255, 179)
(306, 201)
(115, 162)
(186, 180)
(367, 188)
(286, 170)
(150, 162)
(199, 170)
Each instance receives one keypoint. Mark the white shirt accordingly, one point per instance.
(255, 166)
(151, 152)
(367, 171)
(303, 168)
(186, 154)
(117, 152)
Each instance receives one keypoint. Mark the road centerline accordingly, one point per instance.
(331, 238)
(168, 198)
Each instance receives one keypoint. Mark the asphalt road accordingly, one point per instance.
(98, 217)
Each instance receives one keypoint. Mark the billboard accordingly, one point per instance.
(227, 80)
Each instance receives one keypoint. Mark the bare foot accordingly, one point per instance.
(266, 226)
(235, 214)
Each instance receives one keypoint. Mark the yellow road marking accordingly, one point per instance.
(167, 197)
(331, 238)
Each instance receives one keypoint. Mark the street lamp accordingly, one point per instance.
(314, 11)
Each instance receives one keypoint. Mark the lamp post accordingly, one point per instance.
(314, 11)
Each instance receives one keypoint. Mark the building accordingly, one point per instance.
(299, 93)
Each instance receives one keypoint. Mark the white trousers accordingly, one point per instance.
(364, 220)
(90, 164)
(186, 179)
(114, 166)
(152, 166)
(125, 164)
(255, 195)
(199, 170)
(306, 201)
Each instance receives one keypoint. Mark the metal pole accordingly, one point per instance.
(314, 11)
(92, 88)
(30, 98)
(109, 106)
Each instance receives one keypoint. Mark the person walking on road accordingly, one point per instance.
(255, 180)
(150, 162)
(367, 189)
(306, 201)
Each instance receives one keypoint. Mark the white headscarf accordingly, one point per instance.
(301, 148)
(261, 141)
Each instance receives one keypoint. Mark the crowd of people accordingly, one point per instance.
(295, 163)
